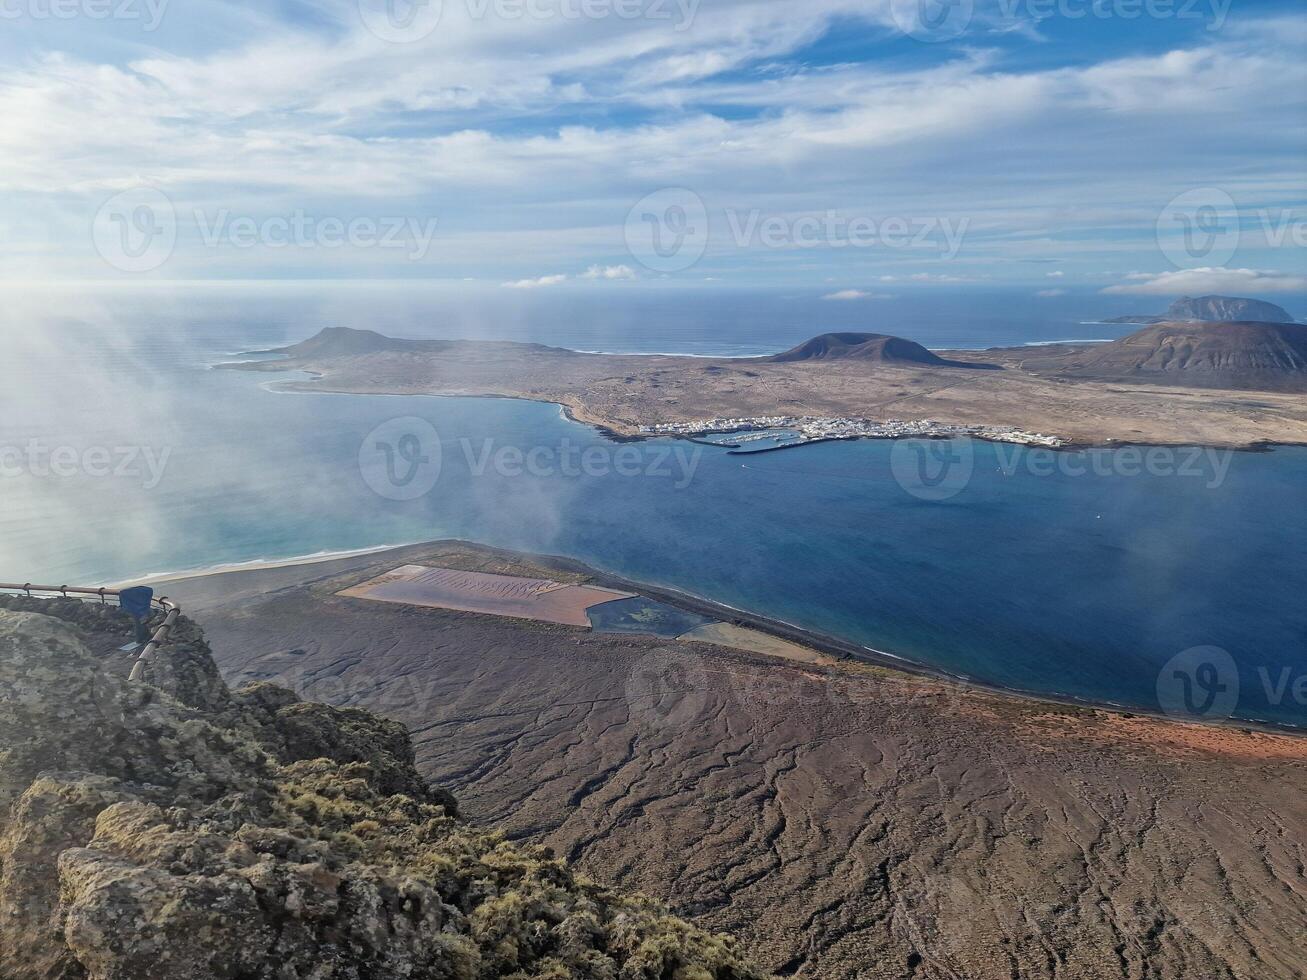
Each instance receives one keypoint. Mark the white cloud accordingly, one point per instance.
(927, 277)
(1055, 275)
(530, 139)
(1209, 280)
(847, 295)
(1048, 293)
(536, 283)
(609, 272)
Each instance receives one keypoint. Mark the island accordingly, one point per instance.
(1213, 309)
(1225, 384)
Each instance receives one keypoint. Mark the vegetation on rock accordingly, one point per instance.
(182, 830)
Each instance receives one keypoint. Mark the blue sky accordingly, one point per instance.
(864, 148)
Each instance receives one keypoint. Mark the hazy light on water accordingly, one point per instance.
(1078, 585)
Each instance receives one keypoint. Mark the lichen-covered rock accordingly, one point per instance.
(192, 832)
(295, 731)
(188, 673)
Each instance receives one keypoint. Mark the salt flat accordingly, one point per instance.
(495, 595)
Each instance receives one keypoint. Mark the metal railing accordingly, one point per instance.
(170, 609)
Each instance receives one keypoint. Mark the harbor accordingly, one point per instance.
(767, 433)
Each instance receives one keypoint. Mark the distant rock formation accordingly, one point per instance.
(179, 830)
(1240, 355)
(1136, 318)
(860, 346)
(1214, 309)
(1227, 309)
(346, 341)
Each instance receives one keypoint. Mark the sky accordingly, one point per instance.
(858, 147)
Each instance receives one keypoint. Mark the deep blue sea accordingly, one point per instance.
(1082, 575)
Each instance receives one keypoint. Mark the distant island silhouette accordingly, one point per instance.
(1213, 309)
(1081, 393)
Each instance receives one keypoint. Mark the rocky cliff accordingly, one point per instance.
(179, 829)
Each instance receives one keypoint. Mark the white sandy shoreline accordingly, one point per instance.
(814, 640)
(322, 557)
(264, 564)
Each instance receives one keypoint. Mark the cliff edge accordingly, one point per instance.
(179, 829)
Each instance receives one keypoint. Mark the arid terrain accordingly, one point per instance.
(998, 387)
(843, 820)
(1258, 356)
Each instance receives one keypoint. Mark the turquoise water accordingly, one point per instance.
(1032, 574)
(756, 441)
(641, 615)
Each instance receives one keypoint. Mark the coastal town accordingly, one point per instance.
(801, 430)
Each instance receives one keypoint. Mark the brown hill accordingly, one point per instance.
(1265, 356)
(861, 346)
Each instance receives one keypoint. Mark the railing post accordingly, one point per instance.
(160, 636)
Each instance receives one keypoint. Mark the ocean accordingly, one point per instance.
(1109, 576)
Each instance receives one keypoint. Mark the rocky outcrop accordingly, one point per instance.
(181, 830)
